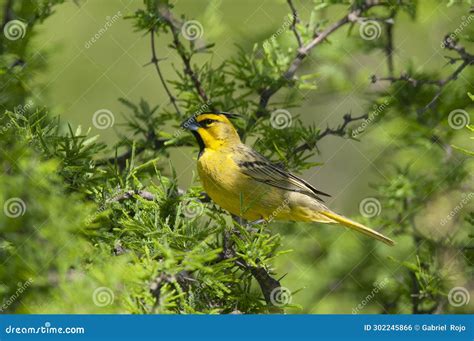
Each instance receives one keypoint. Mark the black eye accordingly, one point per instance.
(206, 123)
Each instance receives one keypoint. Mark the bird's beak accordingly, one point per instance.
(190, 124)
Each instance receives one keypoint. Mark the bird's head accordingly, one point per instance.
(213, 130)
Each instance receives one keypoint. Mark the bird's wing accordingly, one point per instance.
(260, 169)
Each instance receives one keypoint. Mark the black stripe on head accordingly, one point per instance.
(228, 114)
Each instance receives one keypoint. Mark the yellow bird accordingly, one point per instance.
(246, 184)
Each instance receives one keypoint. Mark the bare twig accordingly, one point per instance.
(389, 45)
(302, 53)
(296, 20)
(153, 143)
(155, 62)
(405, 78)
(442, 85)
(7, 13)
(175, 28)
(341, 130)
(466, 58)
(267, 283)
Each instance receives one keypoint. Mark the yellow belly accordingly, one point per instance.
(238, 193)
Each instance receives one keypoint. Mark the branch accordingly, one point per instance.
(175, 28)
(303, 52)
(389, 45)
(464, 56)
(129, 194)
(267, 283)
(296, 20)
(405, 78)
(151, 143)
(7, 13)
(443, 84)
(155, 61)
(339, 131)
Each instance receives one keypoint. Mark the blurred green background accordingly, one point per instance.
(80, 80)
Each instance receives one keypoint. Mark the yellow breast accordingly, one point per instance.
(234, 191)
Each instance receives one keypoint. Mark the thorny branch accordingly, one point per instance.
(389, 45)
(155, 62)
(268, 92)
(152, 142)
(296, 20)
(267, 283)
(304, 50)
(464, 56)
(341, 130)
(175, 28)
